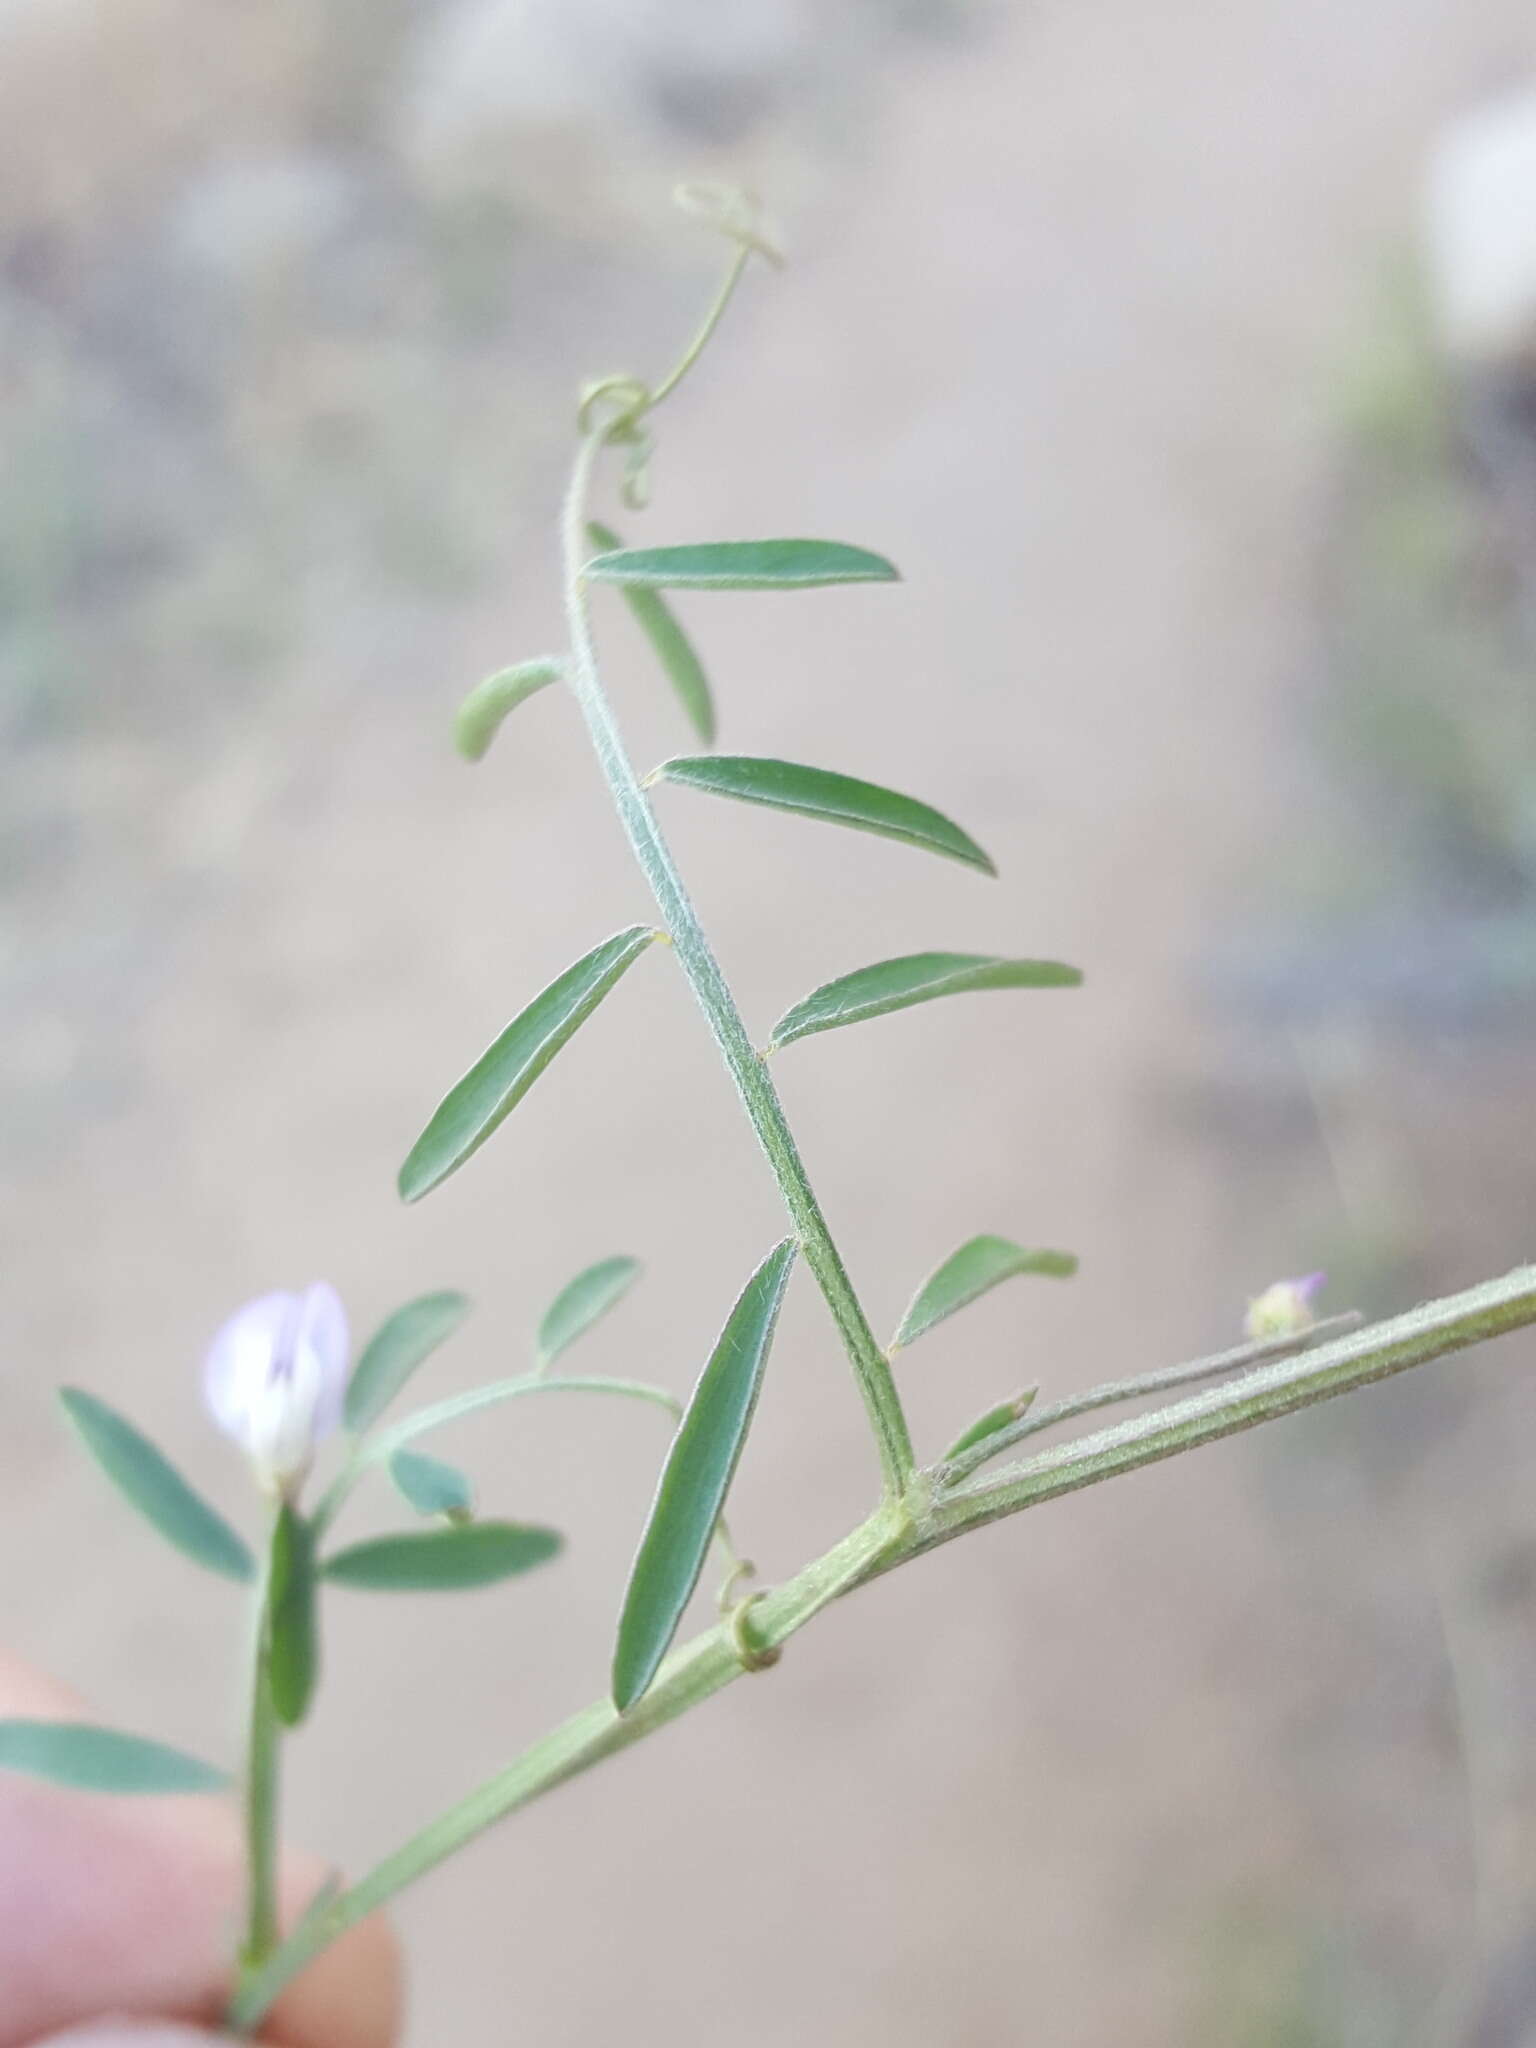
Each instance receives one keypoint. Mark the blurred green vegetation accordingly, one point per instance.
(1273, 1983)
(1423, 715)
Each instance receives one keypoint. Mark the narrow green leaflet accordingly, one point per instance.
(671, 645)
(291, 1642)
(581, 1301)
(989, 1424)
(696, 1479)
(821, 793)
(502, 1076)
(914, 978)
(432, 1486)
(91, 1759)
(394, 1351)
(445, 1560)
(744, 565)
(488, 703)
(980, 1264)
(150, 1482)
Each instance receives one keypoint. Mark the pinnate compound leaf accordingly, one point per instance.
(914, 978)
(480, 715)
(150, 1482)
(980, 1264)
(744, 565)
(822, 793)
(582, 1301)
(670, 644)
(502, 1076)
(91, 1759)
(432, 1486)
(989, 1424)
(400, 1344)
(446, 1560)
(696, 1479)
(292, 1651)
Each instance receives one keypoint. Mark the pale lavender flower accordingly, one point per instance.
(275, 1377)
(1285, 1309)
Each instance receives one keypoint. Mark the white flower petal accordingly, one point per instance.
(280, 1432)
(275, 1379)
(323, 1332)
(239, 1361)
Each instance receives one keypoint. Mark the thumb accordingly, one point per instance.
(122, 1907)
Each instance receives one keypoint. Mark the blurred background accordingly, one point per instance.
(1185, 359)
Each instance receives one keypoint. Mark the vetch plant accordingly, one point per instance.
(277, 1378)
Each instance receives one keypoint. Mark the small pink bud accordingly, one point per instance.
(1285, 1309)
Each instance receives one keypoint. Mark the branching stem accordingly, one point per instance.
(711, 1661)
(1114, 1393)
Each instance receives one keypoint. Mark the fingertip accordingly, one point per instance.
(129, 1903)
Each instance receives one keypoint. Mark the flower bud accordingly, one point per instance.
(1285, 1309)
(274, 1381)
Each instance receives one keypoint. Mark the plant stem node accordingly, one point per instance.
(753, 1656)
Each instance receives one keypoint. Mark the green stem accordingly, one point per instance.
(758, 1094)
(1113, 1392)
(380, 1449)
(260, 1794)
(694, 1673)
(1376, 1352)
(707, 326)
(892, 1537)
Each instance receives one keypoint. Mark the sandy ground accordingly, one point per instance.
(1057, 343)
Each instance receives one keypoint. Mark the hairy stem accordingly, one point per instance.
(712, 1660)
(1112, 1393)
(1376, 1352)
(758, 1095)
